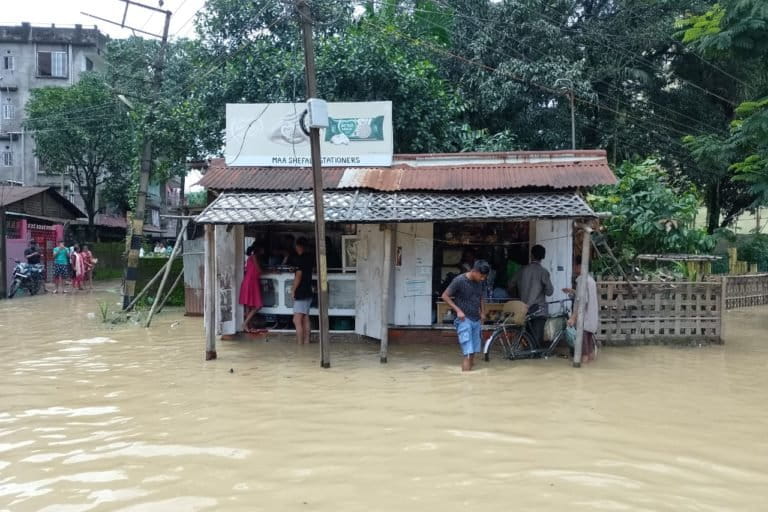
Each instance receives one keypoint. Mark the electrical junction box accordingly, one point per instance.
(317, 113)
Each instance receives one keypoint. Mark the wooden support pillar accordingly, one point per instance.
(581, 296)
(239, 310)
(386, 277)
(210, 291)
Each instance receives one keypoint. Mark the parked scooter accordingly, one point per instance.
(26, 277)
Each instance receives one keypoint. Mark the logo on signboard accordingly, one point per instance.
(358, 134)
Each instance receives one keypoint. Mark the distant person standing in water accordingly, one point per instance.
(591, 312)
(61, 268)
(78, 267)
(250, 290)
(302, 290)
(534, 284)
(465, 296)
(88, 262)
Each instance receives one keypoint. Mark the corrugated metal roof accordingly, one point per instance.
(10, 195)
(439, 172)
(362, 207)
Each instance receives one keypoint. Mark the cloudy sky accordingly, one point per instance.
(68, 12)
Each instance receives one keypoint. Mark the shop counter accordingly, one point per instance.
(276, 293)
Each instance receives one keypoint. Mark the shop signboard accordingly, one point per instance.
(271, 135)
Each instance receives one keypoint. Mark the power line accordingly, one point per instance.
(517, 78)
(609, 84)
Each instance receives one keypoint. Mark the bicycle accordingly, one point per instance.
(512, 337)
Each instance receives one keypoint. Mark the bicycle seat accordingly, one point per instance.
(515, 311)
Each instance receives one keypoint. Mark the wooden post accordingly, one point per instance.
(210, 291)
(170, 291)
(733, 257)
(723, 306)
(386, 277)
(168, 266)
(305, 15)
(581, 296)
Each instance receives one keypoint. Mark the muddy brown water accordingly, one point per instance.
(95, 418)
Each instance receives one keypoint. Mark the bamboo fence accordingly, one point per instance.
(675, 312)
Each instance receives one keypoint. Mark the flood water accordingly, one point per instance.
(95, 418)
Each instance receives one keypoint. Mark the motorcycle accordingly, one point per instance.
(26, 277)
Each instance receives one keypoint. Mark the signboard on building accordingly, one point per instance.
(270, 134)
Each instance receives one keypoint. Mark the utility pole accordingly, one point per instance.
(3, 255)
(137, 231)
(569, 92)
(317, 184)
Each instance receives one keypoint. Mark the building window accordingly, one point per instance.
(6, 157)
(88, 65)
(52, 64)
(9, 63)
(8, 109)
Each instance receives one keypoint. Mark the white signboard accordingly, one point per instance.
(270, 134)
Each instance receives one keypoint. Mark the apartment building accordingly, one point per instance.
(31, 57)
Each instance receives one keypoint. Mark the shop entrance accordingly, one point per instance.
(505, 245)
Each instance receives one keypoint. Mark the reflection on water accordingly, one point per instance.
(95, 418)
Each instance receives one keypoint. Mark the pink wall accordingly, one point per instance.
(14, 250)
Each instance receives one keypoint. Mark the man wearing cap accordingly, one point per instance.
(465, 296)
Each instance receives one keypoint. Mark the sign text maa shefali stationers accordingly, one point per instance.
(270, 135)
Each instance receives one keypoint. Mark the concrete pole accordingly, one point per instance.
(386, 277)
(3, 254)
(210, 290)
(132, 262)
(581, 296)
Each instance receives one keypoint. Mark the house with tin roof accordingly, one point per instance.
(396, 234)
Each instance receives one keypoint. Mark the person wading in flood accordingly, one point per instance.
(465, 296)
(534, 284)
(591, 312)
(302, 291)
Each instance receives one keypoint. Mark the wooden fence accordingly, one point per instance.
(745, 291)
(675, 312)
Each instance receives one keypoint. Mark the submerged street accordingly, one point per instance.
(98, 417)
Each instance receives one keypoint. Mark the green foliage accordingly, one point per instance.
(148, 267)
(198, 198)
(649, 214)
(91, 146)
(755, 250)
(701, 26)
(104, 311)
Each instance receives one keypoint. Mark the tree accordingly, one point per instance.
(649, 214)
(181, 122)
(733, 34)
(80, 131)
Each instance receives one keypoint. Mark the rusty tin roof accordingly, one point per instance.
(446, 172)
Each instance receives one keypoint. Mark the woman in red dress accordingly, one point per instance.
(250, 290)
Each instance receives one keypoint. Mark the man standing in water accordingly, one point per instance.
(534, 285)
(591, 312)
(302, 291)
(465, 296)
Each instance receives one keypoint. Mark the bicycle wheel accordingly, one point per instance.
(522, 344)
(499, 345)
